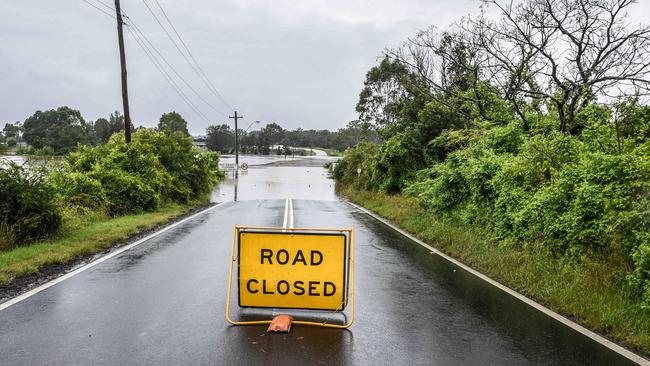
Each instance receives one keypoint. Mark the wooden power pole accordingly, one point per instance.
(236, 117)
(125, 92)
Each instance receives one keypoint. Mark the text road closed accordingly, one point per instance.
(292, 270)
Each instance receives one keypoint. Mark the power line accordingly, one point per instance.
(205, 77)
(192, 66)
(167, 77)
(142, 40)
(99, 9)
(135, 26)
(153, 49)
(106, 5)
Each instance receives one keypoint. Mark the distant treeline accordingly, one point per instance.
(222, 138)
(62, 130)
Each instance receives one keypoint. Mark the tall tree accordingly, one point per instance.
(12, 130)
(174, 122)
(62, 129)
(541, 56)
(220, 138)
(271, 134)
(105, 128)
(380, 100)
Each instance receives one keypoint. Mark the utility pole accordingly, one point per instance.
(125, 93)
(236, 117)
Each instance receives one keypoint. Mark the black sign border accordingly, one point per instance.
(345, 265)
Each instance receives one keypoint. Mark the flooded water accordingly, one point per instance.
(273, 178)
(30, 161)
(20, 160)
(256, 160)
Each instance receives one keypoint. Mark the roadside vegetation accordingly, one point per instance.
(62, 130)
(79, 237)
(519, 144)
(97, 195)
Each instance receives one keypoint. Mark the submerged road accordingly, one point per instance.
(163, 301)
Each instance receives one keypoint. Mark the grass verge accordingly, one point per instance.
(83, 235)
(593, 292)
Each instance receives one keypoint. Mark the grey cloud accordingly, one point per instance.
(299, 63)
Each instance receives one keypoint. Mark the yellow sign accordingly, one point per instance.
(292, 270)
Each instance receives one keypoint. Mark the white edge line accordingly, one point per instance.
(108, 256)
(291, 213)
(575, 326)
(286, 213)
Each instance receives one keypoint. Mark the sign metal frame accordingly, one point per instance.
(348, 278)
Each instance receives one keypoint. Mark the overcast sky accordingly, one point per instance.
(300, 63)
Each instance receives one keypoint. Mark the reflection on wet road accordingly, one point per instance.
(163, 301)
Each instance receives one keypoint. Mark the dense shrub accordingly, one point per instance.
(78, 189)
(126, 192)
(27, 208)
(555, 191)
(574, 195)
(397, 162)
(193, 172)
(358, 165)
(640, 277)
(155, 167)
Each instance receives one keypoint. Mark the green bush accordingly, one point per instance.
(78, 189)
(360, 157)
(155, 167)
(116, 166)
(397, 162)
(640, 277)
(574, 196)
(193, 172)
(27, 208)
(43, 151)
(126, 192)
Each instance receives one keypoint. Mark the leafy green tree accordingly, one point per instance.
(220, 138)
(383, 92)
(105, 128)
(61, 129)
(12, 130)
(271, 134)
(173, 122)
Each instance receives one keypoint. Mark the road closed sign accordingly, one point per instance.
(292, 270)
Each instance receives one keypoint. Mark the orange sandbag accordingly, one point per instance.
(281, 324)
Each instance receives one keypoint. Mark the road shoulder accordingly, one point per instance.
(567, 320)
(47, 273)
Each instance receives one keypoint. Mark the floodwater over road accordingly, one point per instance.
(163, 301)
(17, 159)
(274, 177)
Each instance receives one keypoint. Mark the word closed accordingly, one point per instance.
(292, 270)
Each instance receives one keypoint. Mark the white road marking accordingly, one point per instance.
(575, 326)
(286, 213)
(108, 256)
(290, 213)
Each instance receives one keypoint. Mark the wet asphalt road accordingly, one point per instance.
(163, 302)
